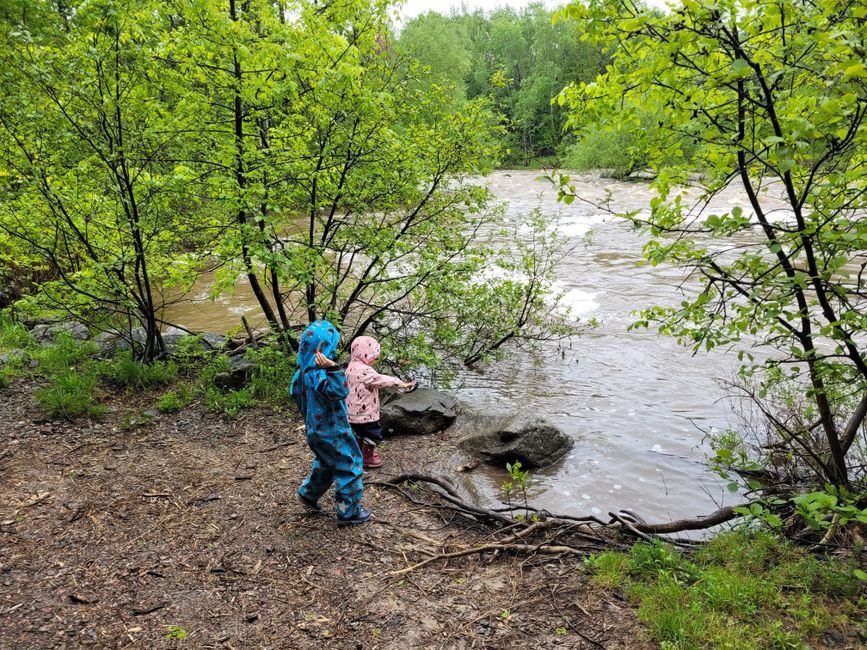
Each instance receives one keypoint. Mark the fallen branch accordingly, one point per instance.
(600, 534)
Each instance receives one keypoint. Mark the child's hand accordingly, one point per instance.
(407, 385)
(322, 361)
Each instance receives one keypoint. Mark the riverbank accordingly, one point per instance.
(182, 531)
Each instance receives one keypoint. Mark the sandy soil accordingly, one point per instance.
(184, 533)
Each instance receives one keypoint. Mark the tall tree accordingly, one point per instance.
(85, 135)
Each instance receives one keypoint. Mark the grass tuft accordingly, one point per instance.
(740, 590)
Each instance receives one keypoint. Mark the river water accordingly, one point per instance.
(637, 404)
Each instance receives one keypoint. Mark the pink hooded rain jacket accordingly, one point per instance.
(364, 382)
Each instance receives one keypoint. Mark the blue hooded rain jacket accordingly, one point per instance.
(320, 395)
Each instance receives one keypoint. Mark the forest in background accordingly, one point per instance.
(518, 61)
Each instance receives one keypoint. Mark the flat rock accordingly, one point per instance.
(505, 439)
(421, 412)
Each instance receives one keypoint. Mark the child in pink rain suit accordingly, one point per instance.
(363, 400)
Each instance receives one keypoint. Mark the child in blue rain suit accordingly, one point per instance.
(319, 388)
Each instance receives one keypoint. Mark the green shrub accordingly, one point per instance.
(129, 373)
(603, 150)
(230, 402)
(214, 366)
(70, 393)
(65, 354)
(191, 355)
(273, 376)
(609, 569)
(740, 590)
(269, 384)
(13, 335)
(176, 399)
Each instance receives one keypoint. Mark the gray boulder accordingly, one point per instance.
(240, 372)
(110, 343)
(14, 356)
(45, 333)
(505, 439)
(422, 411)
(173, 336)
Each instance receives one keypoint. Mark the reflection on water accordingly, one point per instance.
(635, 402)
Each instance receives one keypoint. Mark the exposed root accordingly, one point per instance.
(537, 534)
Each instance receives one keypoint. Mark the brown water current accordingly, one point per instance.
(636, 403)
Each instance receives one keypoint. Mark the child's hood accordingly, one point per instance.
(319, 335)
(365, 349)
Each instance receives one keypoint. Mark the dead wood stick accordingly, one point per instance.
(148, 531)
(451, 495)
(253, 341)
(569, 622)
(640, 529)
(39, 499)
(285, 443)
(410, 532)
(413, 477)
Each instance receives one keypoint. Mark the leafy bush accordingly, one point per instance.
(269, 384)
(191, 354)
(273, 376)
(603, 150)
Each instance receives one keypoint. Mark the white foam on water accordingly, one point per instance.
(577, 301)
(579, 226)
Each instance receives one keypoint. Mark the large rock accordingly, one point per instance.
(173, 336)
(13, 357)
(240, 372)
(422, 411)
(46, 333)
(110, 343)
(505, 439)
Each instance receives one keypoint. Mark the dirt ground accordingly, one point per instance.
(184, 533)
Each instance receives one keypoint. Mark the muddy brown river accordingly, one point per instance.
(636, 403)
